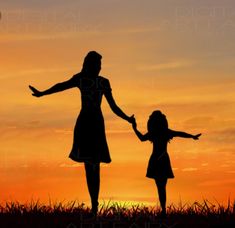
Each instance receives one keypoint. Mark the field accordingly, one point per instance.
(115, 215)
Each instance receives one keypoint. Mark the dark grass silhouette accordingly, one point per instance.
(73, 214)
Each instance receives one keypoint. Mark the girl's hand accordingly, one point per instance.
(36, 92)
(196, 137)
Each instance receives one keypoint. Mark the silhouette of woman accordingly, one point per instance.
(159, 166)
(89, 141)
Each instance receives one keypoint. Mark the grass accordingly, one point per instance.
(115, 215)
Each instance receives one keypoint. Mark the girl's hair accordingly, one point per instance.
(91, 60)
(158, 126)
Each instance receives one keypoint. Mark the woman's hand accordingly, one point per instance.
(196, 137)
(131, 119)
(36, 92)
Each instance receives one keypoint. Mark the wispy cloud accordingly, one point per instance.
(165, 66)
(204, 164)
(230, 171)
(45, 70)
(224, 166)
(63, 132)
(37, 71)
(30, 37)
(199, 121)
(217, 182)
(137, 30)
(225, 135)
(189, 169)
(65, 165)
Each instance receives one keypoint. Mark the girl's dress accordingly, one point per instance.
(159, 166)
(89, 141)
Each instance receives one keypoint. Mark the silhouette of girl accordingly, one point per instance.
(159, 166)
(89, 142)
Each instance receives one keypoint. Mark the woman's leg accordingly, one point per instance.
(161, 187)
(93, 183)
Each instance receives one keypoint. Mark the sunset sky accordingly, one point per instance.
(175, 56)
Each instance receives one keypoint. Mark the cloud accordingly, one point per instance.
(228, 132)
(204, 110)
(65, 165)
(32, 37)
(226, 150)
(231, 171)
(217, 182)
(204, 164)
(223, 136)
(45, 70)
(24, 73)
(24, 166)
(189, 169)
(137, 30)
(165, 66)
(34, 122)
(224, 166)
(199, 121)
(63, 132)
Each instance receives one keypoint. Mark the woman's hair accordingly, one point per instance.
(91, 61)
(158, 126)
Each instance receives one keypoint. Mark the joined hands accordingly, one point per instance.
(132, 120)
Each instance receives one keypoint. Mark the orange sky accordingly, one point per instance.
(177, 57)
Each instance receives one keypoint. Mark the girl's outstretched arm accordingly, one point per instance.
(55, 88)
(184, 135)
(139, 134)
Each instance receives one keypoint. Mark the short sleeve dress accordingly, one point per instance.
(159, 166)
(89, 141)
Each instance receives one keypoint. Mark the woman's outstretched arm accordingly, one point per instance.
(115, 108)
(185, 135)
(55, 88)
(139, 134)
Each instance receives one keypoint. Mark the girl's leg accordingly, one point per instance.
(161, 187)
(93, 183)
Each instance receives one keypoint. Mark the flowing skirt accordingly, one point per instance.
(89, 142)
(159, 167)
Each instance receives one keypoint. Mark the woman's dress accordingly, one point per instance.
(89, 141)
